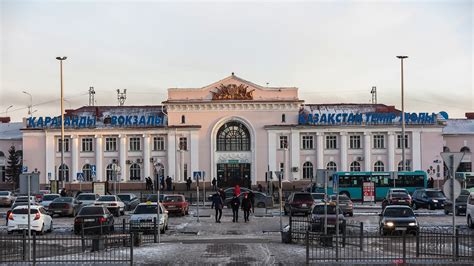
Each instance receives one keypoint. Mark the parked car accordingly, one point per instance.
(470, 210)
(87, 198)
(6, 198)
(398, 218)
(25, 199)
(396, 198)
(113, 203)
(21, 203)
(318, 218)
(299, 202)
(47, 199)
(428, 198)
(143, 217)
(318, 197)
(345, 203)
(461, 203)
(261, 200)
(153, 197)
(130, 200)
(39, 196)
(65, 206)
(94, 219)
(176, 203)
(40, 220)
(397, 190)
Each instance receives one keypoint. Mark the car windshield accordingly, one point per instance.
(318, 196)
(462, 198)
(398, 212)
(319, 209)
(303, 197)
(92, 211)
(434, 194)
(24, 211)
(146, 209)
(65, 199)
(341, 198)
(124, 197)
(86, 197)
(50, 197)
(399, 195)
(22, 199)
(173, 199)
(106, 198)
(3, 193)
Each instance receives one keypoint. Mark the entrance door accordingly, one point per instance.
(231, 174)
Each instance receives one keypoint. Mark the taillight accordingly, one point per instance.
(10, 216)
(37, 216)
(113, 204)
(65, 206)
(102, 220)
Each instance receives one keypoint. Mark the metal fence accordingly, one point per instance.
(116, 249)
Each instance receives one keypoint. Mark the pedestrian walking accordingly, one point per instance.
(169, 183)
(214, 184)
(430, 182)
(237, 190)
(260, 188)
(162, 183)
(188, 184)
(63, 193)
(222, 194)
(217, 204)
(251, 196)
(246, 206)
(235, 204)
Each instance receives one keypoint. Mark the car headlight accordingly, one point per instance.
(435, 201)
(389, 224)
(412, 224)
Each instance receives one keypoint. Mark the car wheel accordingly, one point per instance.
(187, 211)
(351, 214)
(446, 212)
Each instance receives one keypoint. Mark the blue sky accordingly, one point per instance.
(334, 51)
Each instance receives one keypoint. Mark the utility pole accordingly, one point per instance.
(401, 57)
(91, 96)
(61, 59)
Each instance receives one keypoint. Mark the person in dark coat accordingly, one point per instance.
(162, 183)
(246, 206)
(430, 182)
(217, 204)
(260, 188)
(188, 184)
(63, 193)
(214, 184)
(251, 197)
(169, 183)
(235, 204)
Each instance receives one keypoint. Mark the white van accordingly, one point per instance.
(470, 210)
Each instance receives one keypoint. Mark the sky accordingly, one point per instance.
(333, 51)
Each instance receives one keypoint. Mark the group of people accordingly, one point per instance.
(165, 183)
(247, 204)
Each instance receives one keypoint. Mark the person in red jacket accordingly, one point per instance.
(236, 190)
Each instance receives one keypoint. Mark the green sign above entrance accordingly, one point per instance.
(233, 161)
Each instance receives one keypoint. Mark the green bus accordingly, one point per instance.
(351, 183)
(466, 179)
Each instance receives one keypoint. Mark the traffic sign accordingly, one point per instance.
(452, 160)
(93, 170)
(447, 189)
(25, 169)
(197, 175)
(80, 177)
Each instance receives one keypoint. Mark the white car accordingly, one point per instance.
(470, 210)
(144, 214)
(47, 199)
(113, 203)
(40, 220)
(87, 198)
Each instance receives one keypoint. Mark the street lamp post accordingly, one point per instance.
(30, 106)
(6, 111)
(401, 57)
(61, 59)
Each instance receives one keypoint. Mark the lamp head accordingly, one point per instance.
(402, 56)
(61, 58)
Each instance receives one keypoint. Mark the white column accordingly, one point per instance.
(367, 152)
(99, 153)
(415, 150)
(320, 151)
(272, 148)
(391, 151)
(123, 157)
(50, 158)
(344, 151)
(146, 155)
(195, 156)
(171, 154)
(295, 154)
(74, 157)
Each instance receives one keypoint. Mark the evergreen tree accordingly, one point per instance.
(14, 166)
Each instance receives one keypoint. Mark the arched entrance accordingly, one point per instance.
(233, 149)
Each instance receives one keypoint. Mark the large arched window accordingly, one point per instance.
(109, 172)
(233, 136)
(446, 149)
(63, 173)
(379, 166)
(465, 149)
(87, 172)
(307, 170)
(331, 166)
(355, 166)
(135, 172)
(407, 166)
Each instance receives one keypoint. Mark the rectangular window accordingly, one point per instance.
(66, 145)
(135, 144)
(158, 143)
(110, 144)
(183, 143)
(283, 142)
(331, 142)
(379, 141)
(87, 145)
(354, 142)
(307, 142)
(399, 141)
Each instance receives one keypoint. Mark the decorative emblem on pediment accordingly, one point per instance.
(232, 92)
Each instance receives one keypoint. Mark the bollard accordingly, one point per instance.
(24, 245)
(418, 244)
(361, 233)
(307, 247)
(34, 249)
(404, 247)
(123, 226)
(456, 253)
(344, 234)
(131, 248)
(155, 239)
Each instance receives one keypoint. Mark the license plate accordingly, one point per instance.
(304, 205)
(401, 228)
(89, 220)
(22, 226)
(57, 211)
(401, 201)
(171, 206)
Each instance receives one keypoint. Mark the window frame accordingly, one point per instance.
(355, 139)
(87, 142)
(399, 141)
(307, 142)
(379, 166)
(378, 140)
(110, 142)
(331, 142)
(66, 145)
(283, 142)
(308, 170)
(159, 143)
(183, 144)
(134, 143)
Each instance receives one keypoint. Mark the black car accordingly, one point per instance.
(428, 198)
(398, 218)
(131, 201)
(64, 206)
(318, 218)
(299, 202)
(94, 219)
(461, 203)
